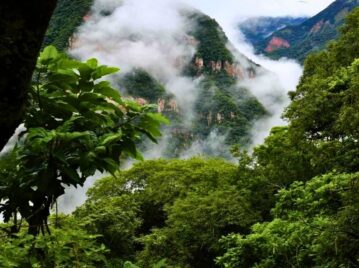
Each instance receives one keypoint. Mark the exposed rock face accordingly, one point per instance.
(141, 101)
(317, 27)
(218, 66)
(199, 63)
(217, 118)
(325, 26)
(277, 43)
(209, 118)
(212, 65)
(72, 41)
(173, 106)
(161, 105)
(220, 118)
(86, 18)
(232, 69)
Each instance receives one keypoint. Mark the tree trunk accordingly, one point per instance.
(23, 24)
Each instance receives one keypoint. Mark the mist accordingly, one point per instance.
(151, 35)
(271, 88)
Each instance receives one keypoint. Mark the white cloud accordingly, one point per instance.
(254, 8)
(150, 34)
(271, 90)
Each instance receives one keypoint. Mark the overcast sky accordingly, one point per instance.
(231, 9)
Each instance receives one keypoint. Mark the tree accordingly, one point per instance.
(314, 225)
(116, 219)
(22, 27)
(324, 107)
(69, 245)
(171, 209)
(314, 220)
(75, 125)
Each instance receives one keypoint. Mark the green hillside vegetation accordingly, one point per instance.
(257, 29)
(315, 222)
(74, 126)
(67, 16)
(212, 40)
(140, 83)
(312, 35)
(294, 202)
(239, 109)
(219, 95)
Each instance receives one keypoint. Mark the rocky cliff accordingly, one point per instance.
(218, 105)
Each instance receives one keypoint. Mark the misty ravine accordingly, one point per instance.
(158, 134)
(160, 43)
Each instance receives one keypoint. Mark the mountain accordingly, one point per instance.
(67, 16)
(257, 29)
(200, 89)
(297, 41)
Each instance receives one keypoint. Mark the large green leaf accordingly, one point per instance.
(50, 53)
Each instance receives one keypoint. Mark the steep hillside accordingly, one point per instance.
(67, 16)
(257, 29)
(218, 107)
(312, 35)
(222, 104)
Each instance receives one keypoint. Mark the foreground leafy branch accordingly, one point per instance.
(75, 125)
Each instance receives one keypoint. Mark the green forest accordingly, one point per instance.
(292, 202)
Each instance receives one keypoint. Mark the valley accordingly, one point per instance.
(180, 134)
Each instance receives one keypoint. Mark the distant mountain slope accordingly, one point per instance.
(68, 15)
(257, 29)
(222, 109)
(312, 35)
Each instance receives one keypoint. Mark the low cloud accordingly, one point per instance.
(212, 145)
(151, 35)
(271, 88)
(241, 9)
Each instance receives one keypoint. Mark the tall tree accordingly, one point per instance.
(23, 24)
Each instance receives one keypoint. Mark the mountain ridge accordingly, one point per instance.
(256, 29)
(223, 108)
(297, 41)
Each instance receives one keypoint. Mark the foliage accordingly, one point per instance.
(282, 160)
(323, 109)
(139, 83)
(115, 218)
(67, 246)
(292, 203)
(182, 206)
(314, 220)
(235, 106)
(212, 40)
(75, 125)
(315, 225)
(194, 226)
(160, 264)
(67, 16)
